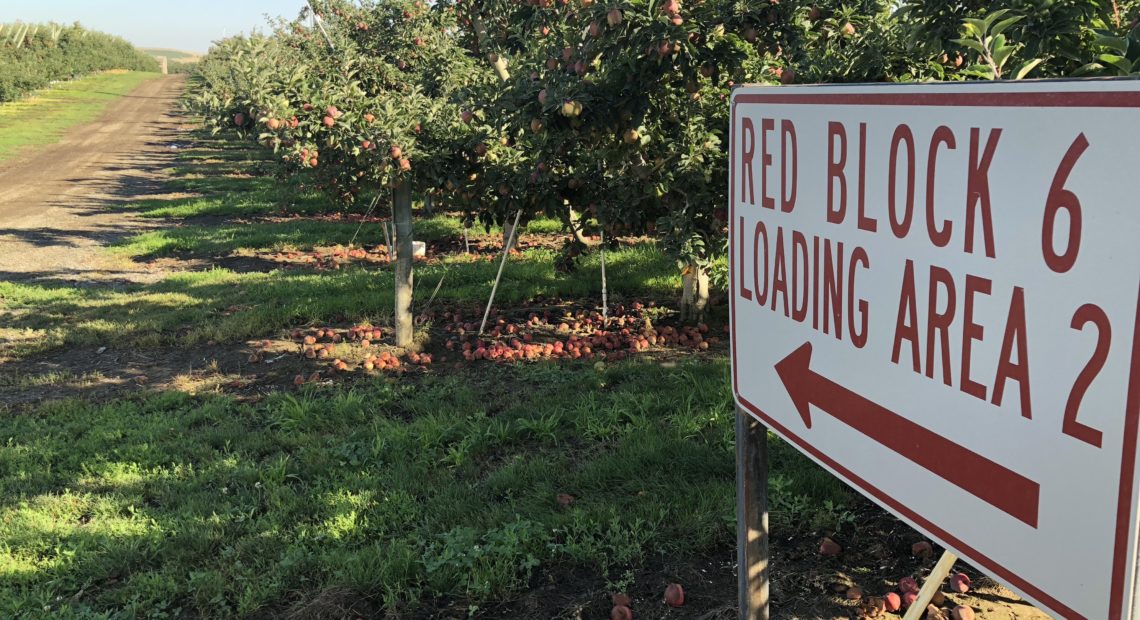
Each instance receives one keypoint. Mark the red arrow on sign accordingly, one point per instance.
(1002, 488)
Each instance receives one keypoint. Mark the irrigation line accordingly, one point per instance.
(503, 263)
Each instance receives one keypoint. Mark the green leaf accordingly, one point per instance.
(1027, 67)
(1001, 26)
(993, 17)
(998, 41)
(975, 27)
(970, 43)
(981, 71)
(1120, 62)
(1087, 69)
(1002, 54)
(1119, 44)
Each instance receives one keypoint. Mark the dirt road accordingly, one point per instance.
(58, 204)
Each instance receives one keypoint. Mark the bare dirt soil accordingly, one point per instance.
(57, 204)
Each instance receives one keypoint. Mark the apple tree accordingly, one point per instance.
(621, 111)
(372, 102)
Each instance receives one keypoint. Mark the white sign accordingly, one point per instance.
(935, 294)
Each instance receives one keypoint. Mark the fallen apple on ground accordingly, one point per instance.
(962, 612)
(828, 547)
(621, 612)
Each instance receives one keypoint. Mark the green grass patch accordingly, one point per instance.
(171, 505)
(288, 235)
(221, 306)
(46, 116)
(199, 206)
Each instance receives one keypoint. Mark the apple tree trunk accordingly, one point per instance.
(694, 292)
(402, 214)
(574, 221)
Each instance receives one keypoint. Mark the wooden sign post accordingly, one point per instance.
(935, 295)
(752, 516)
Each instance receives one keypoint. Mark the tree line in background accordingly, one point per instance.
(33, 56)
(610, 115)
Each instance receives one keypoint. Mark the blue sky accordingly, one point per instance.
(188, 25)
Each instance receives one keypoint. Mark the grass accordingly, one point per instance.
(410, 495)
(45, 117)
(220, 306)
(290, 235)
(222, 180)
(171, 505)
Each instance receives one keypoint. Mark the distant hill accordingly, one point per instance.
(172, 55)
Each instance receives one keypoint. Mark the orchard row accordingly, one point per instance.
(606, 113)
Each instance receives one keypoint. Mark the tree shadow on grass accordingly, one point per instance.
(166, 502)
(221, 306)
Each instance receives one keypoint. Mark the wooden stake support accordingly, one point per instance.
(605, 300)
(503, 263)
(320, 24)
(438, 286)
(388, 241)
(752, 516)
(931, 585)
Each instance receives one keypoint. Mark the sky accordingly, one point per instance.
(187, 25)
